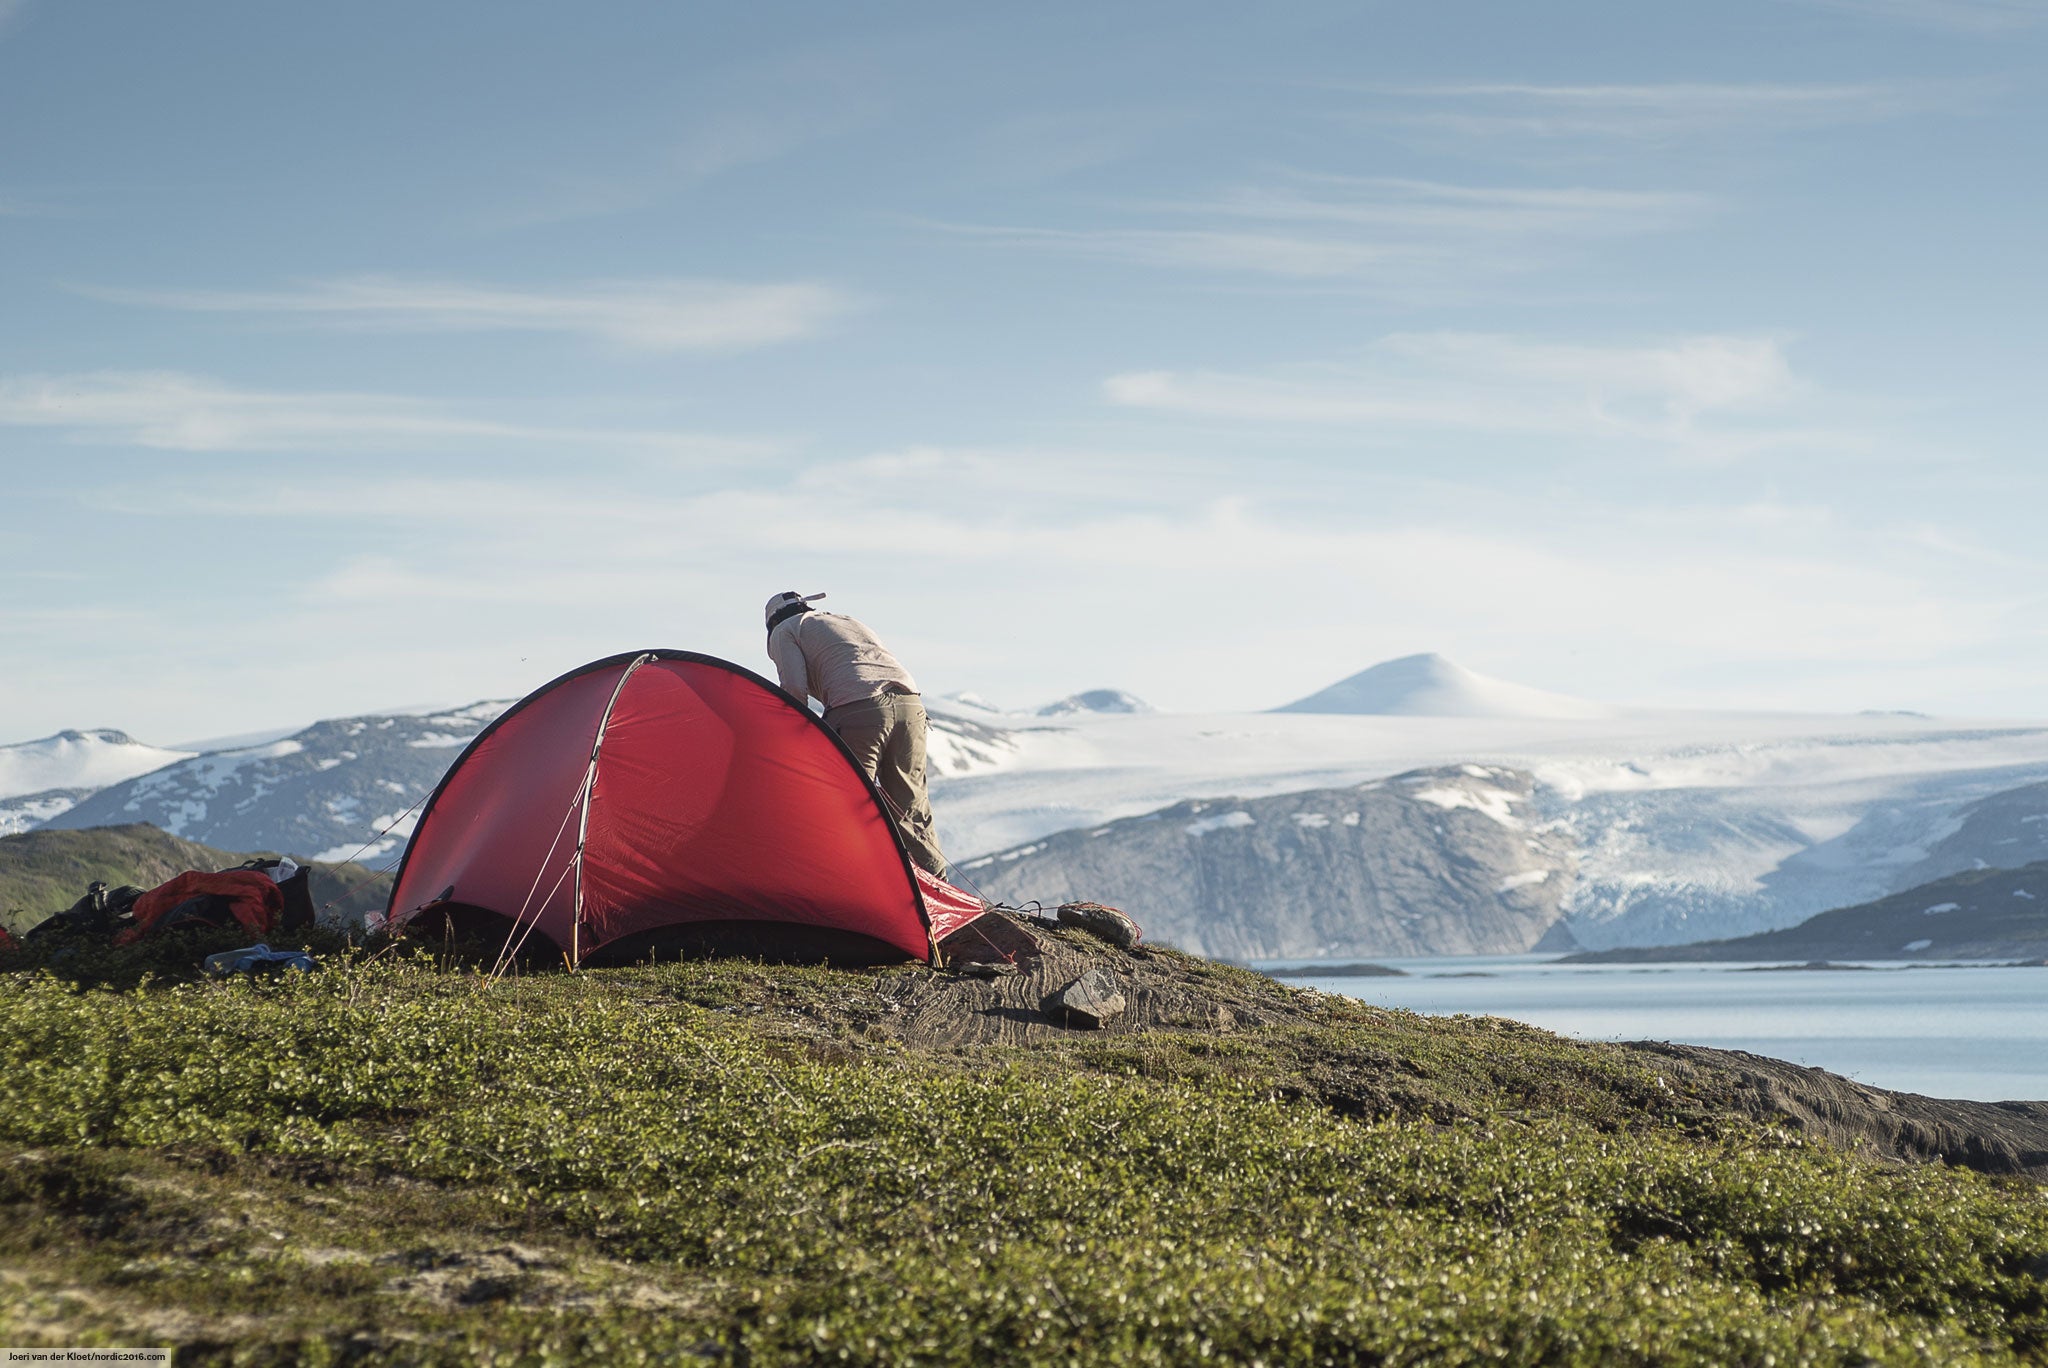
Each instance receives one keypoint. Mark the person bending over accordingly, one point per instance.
(870, 700)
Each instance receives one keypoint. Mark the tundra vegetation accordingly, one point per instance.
(393, 1160)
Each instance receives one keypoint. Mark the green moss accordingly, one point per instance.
(718, 1162)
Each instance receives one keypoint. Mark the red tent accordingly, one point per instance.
(667, 800)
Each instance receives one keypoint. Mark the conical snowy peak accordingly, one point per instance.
(78, 760)
(1096, 701)
(1431, 686)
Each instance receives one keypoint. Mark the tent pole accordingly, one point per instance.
(583, 821)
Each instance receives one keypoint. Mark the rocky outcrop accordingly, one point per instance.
(1433, 862)
(1383, 1074)
(1991, 1137)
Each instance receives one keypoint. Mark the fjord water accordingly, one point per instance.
(1968, 1031)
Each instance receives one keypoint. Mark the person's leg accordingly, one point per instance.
(864, 727)
(902, 778)
(887, 738)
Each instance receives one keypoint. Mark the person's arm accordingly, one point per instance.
(790, 670)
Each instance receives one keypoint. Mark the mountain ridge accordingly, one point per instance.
(1981, 914)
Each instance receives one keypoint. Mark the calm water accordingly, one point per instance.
(1960, 1032)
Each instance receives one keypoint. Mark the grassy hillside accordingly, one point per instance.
(725, 1163)
(1995, 914)
(42, 872)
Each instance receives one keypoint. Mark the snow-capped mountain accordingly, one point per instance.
(1436, 862)
(1096, 701)
(41, 778)
(337, 790)
(1431, 686)
(347, 788)
(1682, 826)
(78, 760)
(1659, 827)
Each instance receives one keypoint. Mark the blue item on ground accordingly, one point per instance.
(259, 959)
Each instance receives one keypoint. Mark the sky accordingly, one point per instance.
(358, 357)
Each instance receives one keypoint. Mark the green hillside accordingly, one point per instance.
(730, 1163)
(42, 872)
(1985, 914)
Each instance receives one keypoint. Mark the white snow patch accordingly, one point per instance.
(956, 746)
(1494, 803)
(2022, 893)
(327, 763)
(1521, 880)
(396, 823)
(1313, 821)
(1942, 907)
(358, 853)
(17, 815)
(439, 740)
(1202, 826)
(1351, 819)
(1917, 945)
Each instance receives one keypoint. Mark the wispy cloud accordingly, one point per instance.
(1048, 145)
(1701, 584)
(1972, 16)
(1400, 232)
(1676, 392)
(742, 116)
(652, 315)
(176, 412)
(1430, 207)
(1651, 112)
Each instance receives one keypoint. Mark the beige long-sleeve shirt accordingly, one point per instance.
(834, 659)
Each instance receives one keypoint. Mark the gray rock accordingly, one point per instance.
(1091, 1001)
(1103, 923)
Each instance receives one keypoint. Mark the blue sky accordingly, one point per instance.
(358, 356)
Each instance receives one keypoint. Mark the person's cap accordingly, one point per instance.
(788, 598)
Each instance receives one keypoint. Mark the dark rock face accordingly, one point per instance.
(1992, 914)
(2004, 831)
(1091, 1001)
(1434, 862)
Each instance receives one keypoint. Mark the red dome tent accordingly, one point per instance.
(665, 799)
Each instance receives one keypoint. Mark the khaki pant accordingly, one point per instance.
(886, 735)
